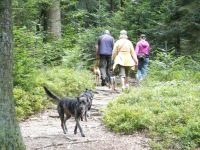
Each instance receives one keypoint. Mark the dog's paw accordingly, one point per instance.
(75, 132)
(83, 135)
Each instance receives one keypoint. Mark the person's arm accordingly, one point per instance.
(97, 52)
(114, 53)
(97, 48)
(137, 48)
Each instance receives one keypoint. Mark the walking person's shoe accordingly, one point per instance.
(127, 85)
(123, 88)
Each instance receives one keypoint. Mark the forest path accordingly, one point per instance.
(43, 131)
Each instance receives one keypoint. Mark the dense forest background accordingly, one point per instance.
(171, 24)
(54, 45)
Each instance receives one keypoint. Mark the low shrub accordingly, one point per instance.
(28, 103)
(62, 81)
(166, 106)
(65, 81)
(168, 111)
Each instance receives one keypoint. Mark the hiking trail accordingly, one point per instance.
(43, 131)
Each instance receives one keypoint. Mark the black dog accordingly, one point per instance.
(69, 107)
(88, 94)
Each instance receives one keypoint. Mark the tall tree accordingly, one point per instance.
(45, 15)
(54, 19)
(10, 135)
(50, 18)
(183, 24)
(112, 5)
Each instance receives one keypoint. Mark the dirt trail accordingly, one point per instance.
(43, 132)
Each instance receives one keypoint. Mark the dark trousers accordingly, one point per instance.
(104, 66)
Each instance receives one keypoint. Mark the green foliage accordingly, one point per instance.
(169, 105)
(26, 57)
(27, 12)
(66, 82)
(28, 103)
(172, 21)
(166, 67)
(30, 54)
(88, 41)
(62, 81)
(53, 53)
(72, 50)
(166, 105)
(168, 111)
(123, 118)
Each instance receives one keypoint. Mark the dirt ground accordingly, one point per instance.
(43, 131)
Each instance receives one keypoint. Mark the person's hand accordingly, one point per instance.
(136, 62)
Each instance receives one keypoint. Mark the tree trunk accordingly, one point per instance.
(178, 45)
(10, 135)
(54, 19)
(122, 3)
(112, 6)
(43, 19)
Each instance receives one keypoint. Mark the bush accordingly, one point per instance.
(168, 111)
(30, 55)
(166, 105)
(65, 81)
(168, 68)
(26, 58)
(62, 81)
(28, 103)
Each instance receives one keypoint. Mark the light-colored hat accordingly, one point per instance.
(123, 32)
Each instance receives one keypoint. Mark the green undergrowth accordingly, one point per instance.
(170, 112)
(165, 106)
(63, 82)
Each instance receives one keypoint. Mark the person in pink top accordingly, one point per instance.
(142, 51)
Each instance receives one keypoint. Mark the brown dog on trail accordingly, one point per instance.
(97, 74)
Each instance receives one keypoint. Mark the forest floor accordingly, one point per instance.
(43, 131)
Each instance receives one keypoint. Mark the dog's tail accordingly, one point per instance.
(51, 94)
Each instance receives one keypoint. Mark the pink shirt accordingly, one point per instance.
(142, 47)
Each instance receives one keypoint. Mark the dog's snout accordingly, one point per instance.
(82, 107)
